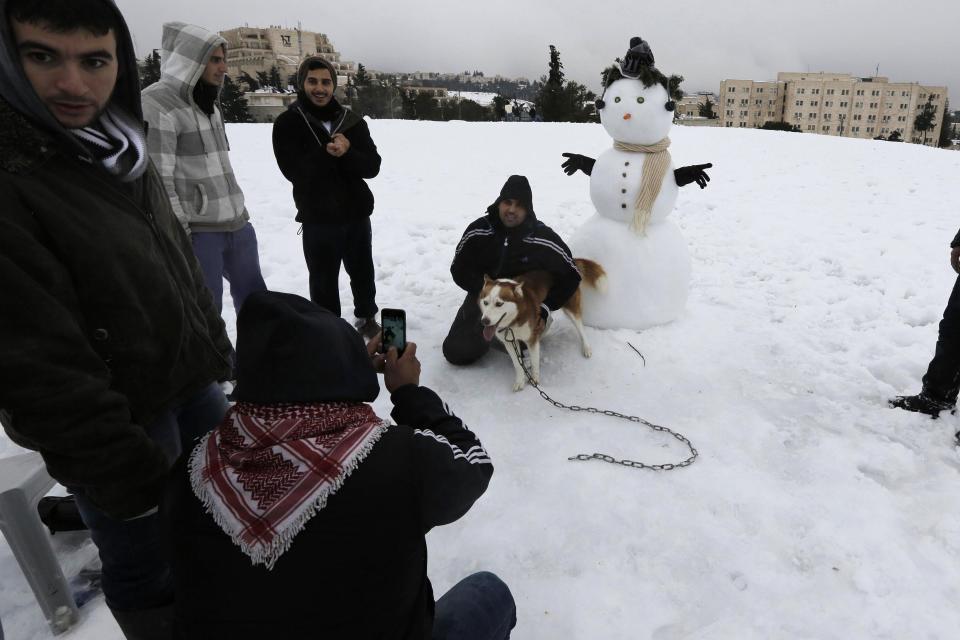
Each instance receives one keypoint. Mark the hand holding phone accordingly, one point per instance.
(393, 323)
(399, 371)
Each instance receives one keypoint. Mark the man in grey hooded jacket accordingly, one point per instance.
(187, 141)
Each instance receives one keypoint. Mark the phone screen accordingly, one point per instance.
(394, 325)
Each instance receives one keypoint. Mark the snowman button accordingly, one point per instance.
(623, 206)
(626, 164)
(624, 175)
(623, 190)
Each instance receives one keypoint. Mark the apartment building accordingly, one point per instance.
(689, 105)
(253, 49)
(832, 104)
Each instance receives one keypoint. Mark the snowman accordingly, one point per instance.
(634, 187)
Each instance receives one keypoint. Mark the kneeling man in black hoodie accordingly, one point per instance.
(505, 242)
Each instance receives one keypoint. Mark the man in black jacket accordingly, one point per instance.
(507, 241)
(326, 152)
(942, 380)
(111, 345)
(303, 514)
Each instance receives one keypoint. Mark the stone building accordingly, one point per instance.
(253, 49)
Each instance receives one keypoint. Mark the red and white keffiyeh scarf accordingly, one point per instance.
(267, 469)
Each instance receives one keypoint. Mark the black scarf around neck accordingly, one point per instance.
(205, 95)
(328, 113)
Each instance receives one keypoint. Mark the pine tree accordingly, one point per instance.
(925, 119)
(556, 68)
(706, 109)
(470, 111)
(361, 78)
(945, 140)
(149, 69)
(252, 85)
(500, 107)
(550, 101)
(274, 79)
(232, 103)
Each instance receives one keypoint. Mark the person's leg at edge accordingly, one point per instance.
(136, 579)
(200, 414)
(465, 343)
(209, 248)
(323, 251)
(241, 265)
(479, 607)
(358, 262)
(943, 374)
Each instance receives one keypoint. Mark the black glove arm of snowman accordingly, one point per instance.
(693, 173)
(576, 161)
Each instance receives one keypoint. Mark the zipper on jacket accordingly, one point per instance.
(503, 256)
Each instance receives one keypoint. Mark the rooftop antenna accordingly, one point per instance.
(877, 74)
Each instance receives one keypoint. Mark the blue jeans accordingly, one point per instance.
(479, 607)
(232, 256)
(136, 574)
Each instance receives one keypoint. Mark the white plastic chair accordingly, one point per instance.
(23, 481)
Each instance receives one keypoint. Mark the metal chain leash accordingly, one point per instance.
(613, 414)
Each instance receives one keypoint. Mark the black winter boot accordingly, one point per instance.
(922, 403)
(146, 624)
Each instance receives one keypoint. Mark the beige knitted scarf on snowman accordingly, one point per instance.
(655, 167)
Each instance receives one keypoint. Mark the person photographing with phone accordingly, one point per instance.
(303, 514)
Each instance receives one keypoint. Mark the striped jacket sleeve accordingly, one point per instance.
(453, 467)
(162, 147)
(472, 257)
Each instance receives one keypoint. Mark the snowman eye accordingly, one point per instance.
(617, 99)
(640, 100)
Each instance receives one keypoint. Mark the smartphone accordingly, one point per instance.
(393, 322)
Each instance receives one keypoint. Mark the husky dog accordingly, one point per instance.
(510, 311)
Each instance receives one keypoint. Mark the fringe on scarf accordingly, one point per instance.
(655, 167)
(267, 555)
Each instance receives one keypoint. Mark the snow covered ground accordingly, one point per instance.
(820, 270)
(483, 98)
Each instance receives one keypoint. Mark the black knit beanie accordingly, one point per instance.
(292, 350)
(516, 188)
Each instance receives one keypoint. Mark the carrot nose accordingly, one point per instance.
(627, 116)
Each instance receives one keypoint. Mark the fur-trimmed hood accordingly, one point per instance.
(23, 144)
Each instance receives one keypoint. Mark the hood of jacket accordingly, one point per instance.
(292, 350)
(183, 58)
(18, 93)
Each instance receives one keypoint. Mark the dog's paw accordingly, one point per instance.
(587, 351)
(519, 384)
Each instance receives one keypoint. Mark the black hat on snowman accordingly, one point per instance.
(638, 64)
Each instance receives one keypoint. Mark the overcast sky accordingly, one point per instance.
(703, 40)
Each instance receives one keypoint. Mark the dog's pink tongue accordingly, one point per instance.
(489, 331)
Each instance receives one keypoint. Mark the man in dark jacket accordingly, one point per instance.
(111, 345)
(303, 514)
(942, 380)
(507, 241)
(326, 152)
